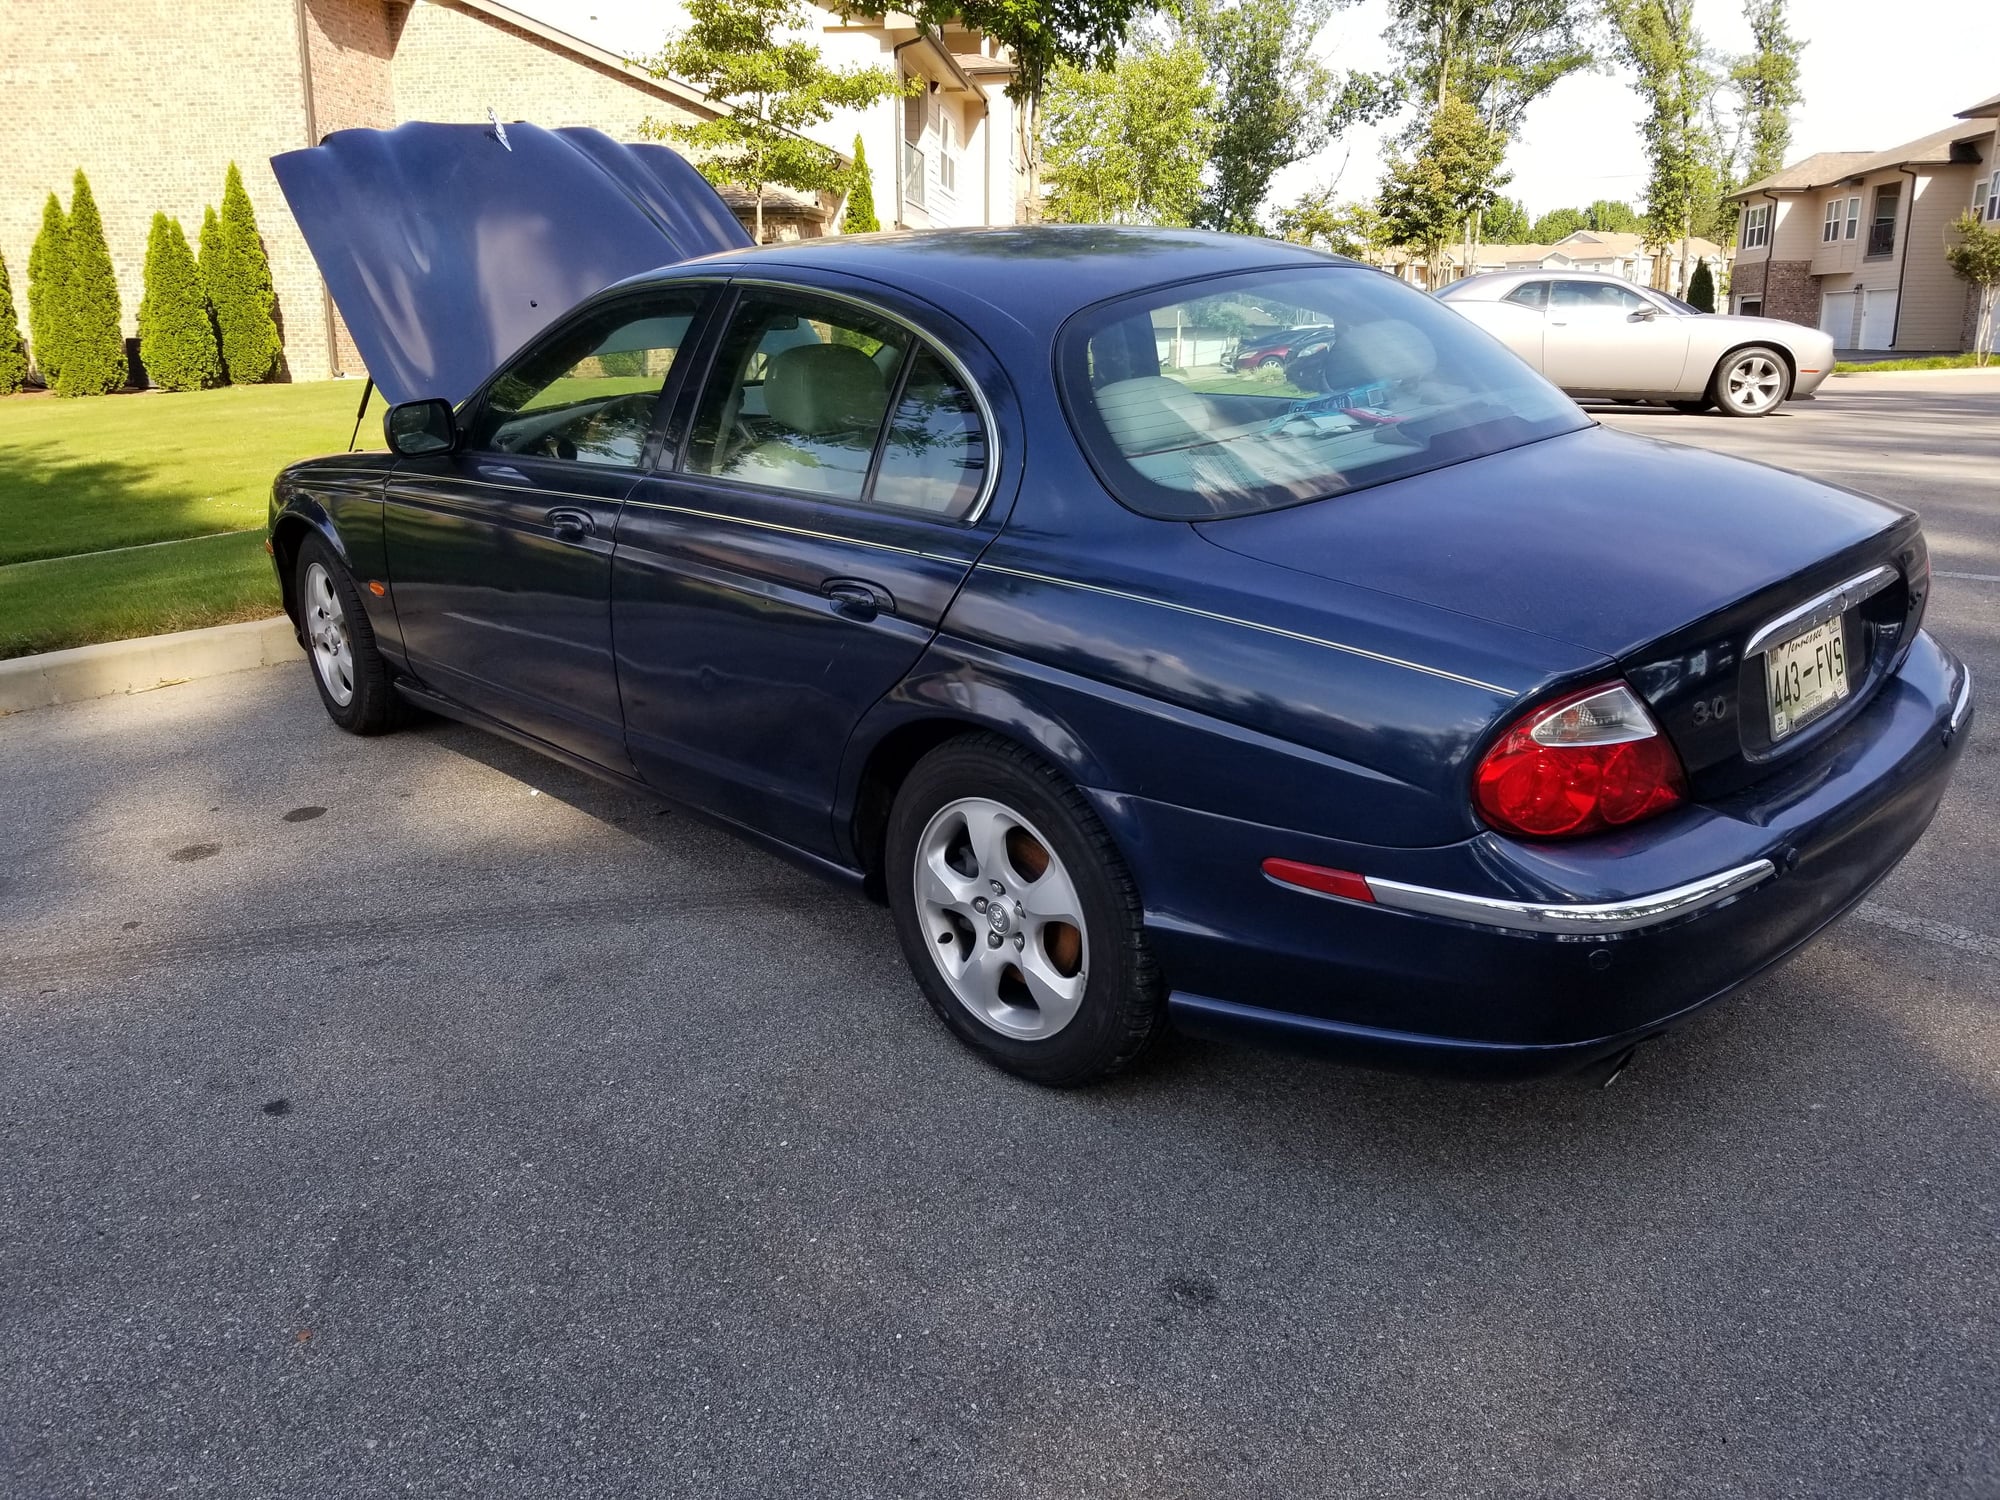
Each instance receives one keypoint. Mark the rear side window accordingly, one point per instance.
(1534, 294)
(1402, 384)
(819, 397)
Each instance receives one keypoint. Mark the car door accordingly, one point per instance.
(1515, 319)
(499, 552)
(1602, 337)
(796, 557)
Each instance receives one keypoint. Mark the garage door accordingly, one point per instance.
(1836, 318)
(1878, 320)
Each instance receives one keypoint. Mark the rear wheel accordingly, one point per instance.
(1750, 382)
(351, 675)
(1270, 362)
(1017, 915)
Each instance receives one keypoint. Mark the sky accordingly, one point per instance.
(1874, 76)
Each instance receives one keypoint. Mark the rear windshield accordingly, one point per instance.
(1382, 382)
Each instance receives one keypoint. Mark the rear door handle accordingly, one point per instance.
(857, 599)
(571, 525)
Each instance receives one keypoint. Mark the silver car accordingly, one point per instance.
(1597, 335)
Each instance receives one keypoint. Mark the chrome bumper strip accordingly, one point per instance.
(1607, 917)
(1961, 703)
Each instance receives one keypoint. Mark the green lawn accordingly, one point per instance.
(1890, 366)
(80, 477)
(109, 471)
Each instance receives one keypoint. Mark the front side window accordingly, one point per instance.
(823, 398)
(1403, 385)
(1598, 298)
(588, 394)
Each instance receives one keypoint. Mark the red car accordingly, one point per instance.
(1274, 346)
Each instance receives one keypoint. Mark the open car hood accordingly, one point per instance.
(447, 247)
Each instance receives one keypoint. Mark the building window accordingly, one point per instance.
(1853, 216)
(1829, 229)
(948, 156)
(1882, 221)
(1751, 307)
(1986, 197)
(1757, 227)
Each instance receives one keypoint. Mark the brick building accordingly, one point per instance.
(154, 99)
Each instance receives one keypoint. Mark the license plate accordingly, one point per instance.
(1806, 676)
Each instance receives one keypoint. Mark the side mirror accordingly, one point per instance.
(417, 428)
(1643, 315)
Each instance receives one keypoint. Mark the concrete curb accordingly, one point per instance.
(137, 666)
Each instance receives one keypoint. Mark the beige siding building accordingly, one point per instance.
(155, 98)
(1852, 242)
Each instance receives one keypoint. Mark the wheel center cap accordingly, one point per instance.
(998, 919)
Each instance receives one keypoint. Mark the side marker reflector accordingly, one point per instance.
(1318, 878)
(269, 548)
(376, 589)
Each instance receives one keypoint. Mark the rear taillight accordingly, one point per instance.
(1585, 763)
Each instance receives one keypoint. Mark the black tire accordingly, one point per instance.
(1723, 385)
(1693, 408)
(1270, 361)
(373, 705)
(1122, 1007)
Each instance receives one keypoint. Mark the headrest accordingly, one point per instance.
(824, 388)
(1151, 413)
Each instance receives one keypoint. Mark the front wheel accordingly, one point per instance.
(1017, 915)
(1751, 382)
(351, 675)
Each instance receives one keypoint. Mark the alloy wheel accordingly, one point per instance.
(1003, 918)
(326, 628)
(1754, 383)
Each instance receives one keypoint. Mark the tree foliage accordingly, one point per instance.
(13, 350)
(1975, 258)
(1043, 35)
(1557, 224)
(208, 254)
(1766, 80)
(1127, 145)
(176, 339)
(48, 290)
(1454, 172)
(1657, 40)
(1351, 229)
(93, 337)
(860, 217)
(760, 66)
(1506, 222)
(1497, 55)
(240, 289)
(1275, 103)
(1611, 216)
(1701, 290)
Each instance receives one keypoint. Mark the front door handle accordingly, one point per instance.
(571, 525)
(857, 599)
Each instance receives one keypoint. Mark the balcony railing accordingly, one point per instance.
(1881, 239)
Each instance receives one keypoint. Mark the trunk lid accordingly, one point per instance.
(447, 247)
(1665, 559)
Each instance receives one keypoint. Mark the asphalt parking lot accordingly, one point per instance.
(412, 1115)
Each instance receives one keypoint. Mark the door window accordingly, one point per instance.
(1882, 225)
(589, 393)
(1599, 298)
(801, 396)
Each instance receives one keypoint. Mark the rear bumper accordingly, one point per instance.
(1497, 958)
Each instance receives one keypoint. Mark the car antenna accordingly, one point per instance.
(499, 130)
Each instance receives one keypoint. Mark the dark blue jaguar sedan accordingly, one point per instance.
(1416, 717)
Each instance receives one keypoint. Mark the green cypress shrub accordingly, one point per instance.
(208, 265)
(13, 352)
(240, 287)
(1701, 287)
(860, 218)
(48, 290)
(176, 339)
(93, 343)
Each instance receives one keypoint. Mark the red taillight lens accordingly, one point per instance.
(1592, 761)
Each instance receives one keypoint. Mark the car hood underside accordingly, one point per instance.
(1597, 538)
(447, 247)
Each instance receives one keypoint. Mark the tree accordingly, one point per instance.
(1350, 229)
(1427, 196)
(1556, 224)
(240, 289)
(176, 340)
(1701, 290)
(1127, 145)
(208, 254)
(1506, 222)
(860, 216)
(1975, 259)
(1658, 42)
(48, 290)
(1275, 103)
(1609, 216)
(13, 352)
(1497, 55)
(1766, 80)
(768, 79)
(93, 338)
